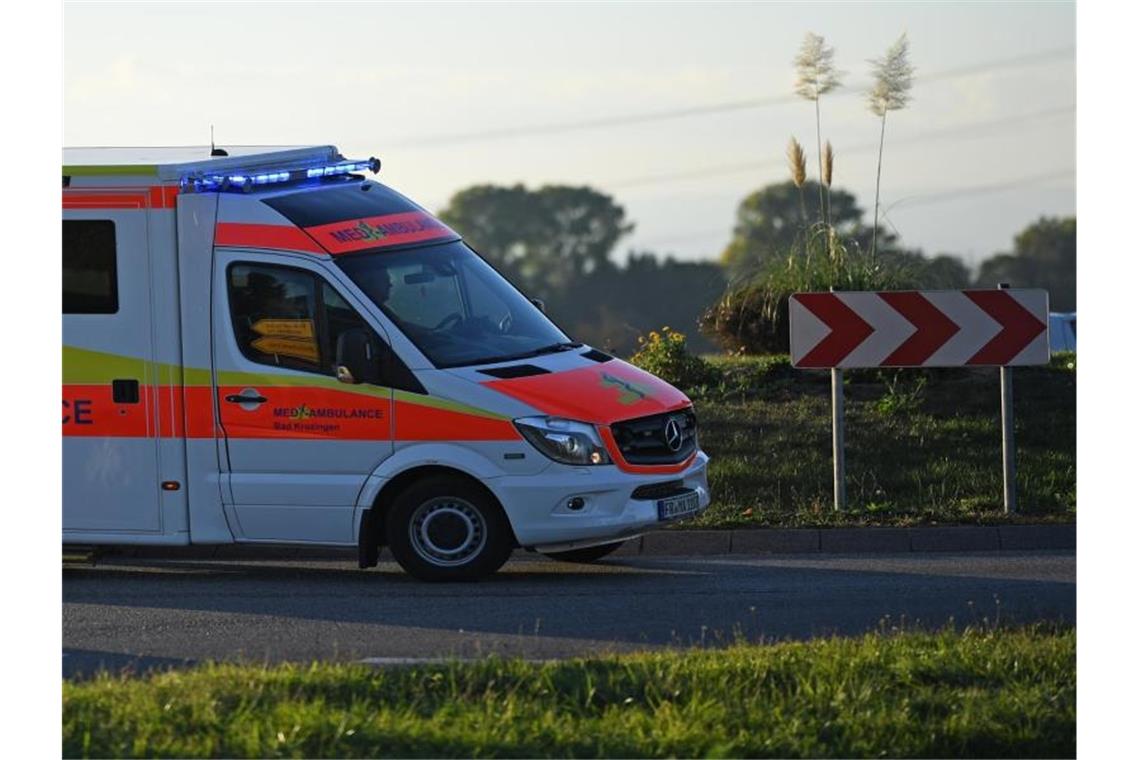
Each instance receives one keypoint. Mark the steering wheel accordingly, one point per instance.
(506, 322)
(453, 318)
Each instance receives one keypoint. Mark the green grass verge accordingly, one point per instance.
(923, 446)
(979, 693)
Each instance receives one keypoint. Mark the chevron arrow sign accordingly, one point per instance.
(910, 328)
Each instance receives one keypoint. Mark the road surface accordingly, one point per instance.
(153, 613)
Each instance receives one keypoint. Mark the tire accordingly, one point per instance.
(586, 555)
(447, 529)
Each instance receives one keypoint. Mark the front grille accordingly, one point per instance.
(643, 440)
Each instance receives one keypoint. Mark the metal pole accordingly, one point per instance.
(1008, 452)
(839, 466)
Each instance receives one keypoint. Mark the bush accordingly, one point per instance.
(1064, 360)
(753, 316)
(666, 355)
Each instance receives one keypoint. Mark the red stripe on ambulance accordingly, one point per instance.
(379, 231)
(90, 411)
(155, 197)
(416, 422)
(281, 236)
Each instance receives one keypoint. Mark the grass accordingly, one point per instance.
(923, 446)
(990, 692)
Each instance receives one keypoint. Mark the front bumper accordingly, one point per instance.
(538, 506)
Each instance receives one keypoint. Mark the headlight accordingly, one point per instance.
(564, 441)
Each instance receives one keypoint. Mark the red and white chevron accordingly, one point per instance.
(910, 328)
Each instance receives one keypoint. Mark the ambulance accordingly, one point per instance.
(265, 346)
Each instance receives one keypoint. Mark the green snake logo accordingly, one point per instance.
(628, 392)
(301, 413)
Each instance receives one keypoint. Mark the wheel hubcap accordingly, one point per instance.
(447, 531)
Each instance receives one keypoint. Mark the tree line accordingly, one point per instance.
(558, 243)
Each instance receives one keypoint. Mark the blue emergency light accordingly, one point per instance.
(246, 181)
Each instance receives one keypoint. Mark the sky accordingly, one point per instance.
(451, 95)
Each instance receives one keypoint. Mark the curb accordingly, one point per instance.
(965, 538)
(753, 541)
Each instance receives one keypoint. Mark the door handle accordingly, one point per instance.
(235, 398)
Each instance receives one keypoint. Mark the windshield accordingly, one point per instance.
(453, 305)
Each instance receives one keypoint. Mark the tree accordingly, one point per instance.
(946, 272)
(770, 221)
(1044, 256)
(546, 239)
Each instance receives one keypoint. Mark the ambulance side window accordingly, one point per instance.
(274, 312)
(90, 272)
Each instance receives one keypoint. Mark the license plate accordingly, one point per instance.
(678, 506)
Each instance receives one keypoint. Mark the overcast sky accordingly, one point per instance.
(987, 145)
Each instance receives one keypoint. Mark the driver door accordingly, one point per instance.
(300, 444)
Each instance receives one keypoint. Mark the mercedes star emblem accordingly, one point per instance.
(673, 435)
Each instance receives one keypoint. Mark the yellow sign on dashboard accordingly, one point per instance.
(285, 328)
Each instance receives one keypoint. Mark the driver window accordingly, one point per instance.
(287, 317)
(273, 311)
(340, 317)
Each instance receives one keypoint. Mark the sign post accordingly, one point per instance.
(838, 453)
(1008, 452)
(935, 328)
(838, 460)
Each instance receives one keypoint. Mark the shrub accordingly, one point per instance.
(666, 355)
(753, 316)
(1064, 360)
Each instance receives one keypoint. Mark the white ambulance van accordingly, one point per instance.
(264, 346)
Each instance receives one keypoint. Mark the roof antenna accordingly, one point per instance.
(215, 151)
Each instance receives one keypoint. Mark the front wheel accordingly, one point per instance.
(586, 555)
(446, 529)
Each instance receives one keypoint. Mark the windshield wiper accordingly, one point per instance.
(553, 348)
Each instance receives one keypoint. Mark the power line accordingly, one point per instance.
(711, 108)
(934, 134)
(913, 200)
(997, 187)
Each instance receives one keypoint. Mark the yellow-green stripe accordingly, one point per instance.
(126, 170)
(82, 366)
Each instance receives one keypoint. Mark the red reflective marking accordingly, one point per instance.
(89, 411)
(933, 328)
(283, 236)
(170, 418)
(164, 196)
(291, 412)
(156, 197)
(602, 393)
(1018, 326)
(199, 411)
(417, 422)
(298, 412)
(848, 330)
(379, 231)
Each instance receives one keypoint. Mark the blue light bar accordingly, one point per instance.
(204, 183)
(347, 167)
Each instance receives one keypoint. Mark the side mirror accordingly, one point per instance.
(357, 357)
(540, 304)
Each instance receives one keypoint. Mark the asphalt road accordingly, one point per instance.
(154, 613)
